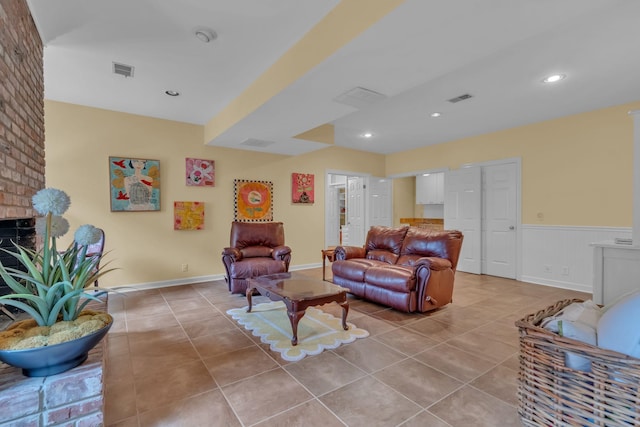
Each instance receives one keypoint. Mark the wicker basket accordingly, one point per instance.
(551, 394)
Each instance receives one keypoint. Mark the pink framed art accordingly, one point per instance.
(302, 187)
(200, 172)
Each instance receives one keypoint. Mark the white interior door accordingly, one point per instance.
(332, 216)
(355, 210)
(380, 210)
(499, 220)
(463, 211)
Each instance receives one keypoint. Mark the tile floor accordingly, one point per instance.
(175, 358)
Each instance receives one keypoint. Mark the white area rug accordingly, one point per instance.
(317, 330)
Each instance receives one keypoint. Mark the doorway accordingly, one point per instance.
(353, 204)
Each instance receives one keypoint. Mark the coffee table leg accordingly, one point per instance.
(249, 293)
(345, 312)
(294, 318)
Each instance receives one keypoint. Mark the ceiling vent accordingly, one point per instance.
(122, 69)
(460, 98)
(359, 97)
(252, 142)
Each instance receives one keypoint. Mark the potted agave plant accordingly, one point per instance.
(51, 289)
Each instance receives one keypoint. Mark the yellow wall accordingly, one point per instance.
(144, 245)
(576, 170)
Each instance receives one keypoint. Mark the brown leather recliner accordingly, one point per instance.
(255, 249)
(407, 268)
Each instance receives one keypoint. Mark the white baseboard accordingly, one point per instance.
(168, 283)
(198, 279)
(557, 284)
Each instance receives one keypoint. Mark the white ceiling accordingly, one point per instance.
(420, 55)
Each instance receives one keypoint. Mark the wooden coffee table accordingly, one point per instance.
(298, 293)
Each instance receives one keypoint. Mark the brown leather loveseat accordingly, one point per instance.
(408, 268)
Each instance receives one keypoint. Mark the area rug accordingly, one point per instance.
(317, 330)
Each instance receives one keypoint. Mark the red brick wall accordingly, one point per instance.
(21, 110)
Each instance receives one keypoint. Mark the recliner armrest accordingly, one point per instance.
(348, 252)
(434, 263)
(279, 252)
(233, 253)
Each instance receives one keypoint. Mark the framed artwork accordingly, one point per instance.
(134, 184)
(253, 200)
(302, 187)
(188, 215)
(200, 172)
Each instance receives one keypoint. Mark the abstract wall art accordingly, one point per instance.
(302, 188)
(253, 200)
(188, 215)
(200, 172)
(134, 184)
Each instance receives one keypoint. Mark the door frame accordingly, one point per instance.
(518, 162)
(327, 214)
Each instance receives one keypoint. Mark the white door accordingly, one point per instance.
(462, 211)
(380, 210)
(499, 220)
(355, 210)
(332, 216)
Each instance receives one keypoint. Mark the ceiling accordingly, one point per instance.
(418, 56)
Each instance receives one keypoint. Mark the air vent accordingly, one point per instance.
(460, 98)
(359, 97)
(122, 69)
(252, 142)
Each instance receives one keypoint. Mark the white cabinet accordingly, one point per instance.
(430, 189)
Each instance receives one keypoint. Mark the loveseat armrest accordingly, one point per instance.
(434, 263)
(280, 252)
(348, 252)
(231, 254)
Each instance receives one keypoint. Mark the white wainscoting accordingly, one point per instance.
(561, 256)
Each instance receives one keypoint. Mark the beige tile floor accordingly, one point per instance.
(175, 358)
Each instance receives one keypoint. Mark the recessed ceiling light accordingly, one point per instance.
(553, 78)
(367, 135)
(436, 114)
(172, 92)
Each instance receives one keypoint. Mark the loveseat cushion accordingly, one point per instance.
(392, 277)
(383, 255)
(354, 269)
(428, 243)
(387, 239)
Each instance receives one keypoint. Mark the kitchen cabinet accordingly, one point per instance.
(430, 189)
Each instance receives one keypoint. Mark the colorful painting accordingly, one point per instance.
(253, 200)
(188, 215)
(302, 187)
(200, 172)
(135, 184)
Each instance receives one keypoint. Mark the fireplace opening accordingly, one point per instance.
(14, 231)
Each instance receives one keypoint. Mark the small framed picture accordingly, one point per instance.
(188, 215)
(200, 172)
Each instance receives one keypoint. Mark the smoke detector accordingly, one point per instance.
(205, 35)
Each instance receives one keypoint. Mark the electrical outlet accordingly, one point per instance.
(565, 270)
(547, 269)
(185, 267)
